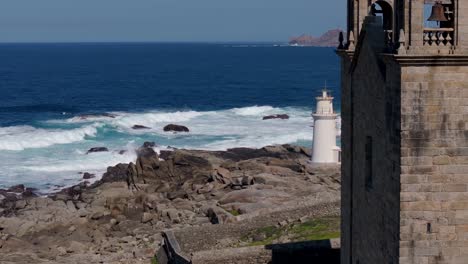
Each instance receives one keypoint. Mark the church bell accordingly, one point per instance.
(438, 13)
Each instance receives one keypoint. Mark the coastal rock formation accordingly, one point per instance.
(119, 218)
(97, 149)
(176, 128)
(329, 39)
(279, 116)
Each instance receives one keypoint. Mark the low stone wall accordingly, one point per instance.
(324, 251)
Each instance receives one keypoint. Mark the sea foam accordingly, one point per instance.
(26, 137)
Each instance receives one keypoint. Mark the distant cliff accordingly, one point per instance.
(329, 39)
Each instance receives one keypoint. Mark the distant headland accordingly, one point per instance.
(329, 39)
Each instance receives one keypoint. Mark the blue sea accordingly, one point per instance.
(59, 100)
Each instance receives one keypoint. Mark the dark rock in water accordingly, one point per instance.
(122, 152)
(148, 144)
(97, 149)
(176, 128)
(280, 116)
(87, 176)
(17, 188)
(137, 127)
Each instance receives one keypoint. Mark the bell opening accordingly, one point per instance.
(438, 14)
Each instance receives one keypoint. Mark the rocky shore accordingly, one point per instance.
(119, 218)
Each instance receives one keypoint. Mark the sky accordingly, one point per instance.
(166, 20)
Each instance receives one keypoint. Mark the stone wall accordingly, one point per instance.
(371, 141)
(346, 156)
(434, 165)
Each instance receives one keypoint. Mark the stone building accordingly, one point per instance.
(405, 132)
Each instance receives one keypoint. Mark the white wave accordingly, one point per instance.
(26, 137)
(258, 141)
(97, 162)
(254, 110)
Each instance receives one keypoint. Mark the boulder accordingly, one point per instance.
(223, 173)
(147, 217)
(173, 215)
(279, 116)
(29, 192)
(88, 176)
(248, 180)
(206, 189)
(176, 128)
(147, 162)
(239, 154)
(177, 194)
(139, 127)
(97, 149)
(72, 193)
(165, 154)
(149, 144)
(290, 164)
(217, 215)
(114, 174)
(17, 188)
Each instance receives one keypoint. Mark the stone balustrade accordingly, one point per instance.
(438, 36)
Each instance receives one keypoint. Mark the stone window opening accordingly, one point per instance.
(439, 22)
(383, 9)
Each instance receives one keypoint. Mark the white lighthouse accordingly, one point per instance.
(324, 149)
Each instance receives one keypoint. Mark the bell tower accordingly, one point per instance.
(404, 78)
(430, 27)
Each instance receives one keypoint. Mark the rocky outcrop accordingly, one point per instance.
(176, 128)
(279, 116)
(119, 218)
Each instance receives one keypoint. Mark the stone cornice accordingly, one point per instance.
(428, 60)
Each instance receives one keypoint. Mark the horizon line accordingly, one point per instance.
(147, 42)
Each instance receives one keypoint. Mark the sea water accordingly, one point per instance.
(54, 97)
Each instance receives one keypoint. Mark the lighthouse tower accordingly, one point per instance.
(324, 149)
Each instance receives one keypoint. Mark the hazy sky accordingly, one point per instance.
(166, 20)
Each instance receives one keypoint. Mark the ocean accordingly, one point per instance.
(54, 97)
